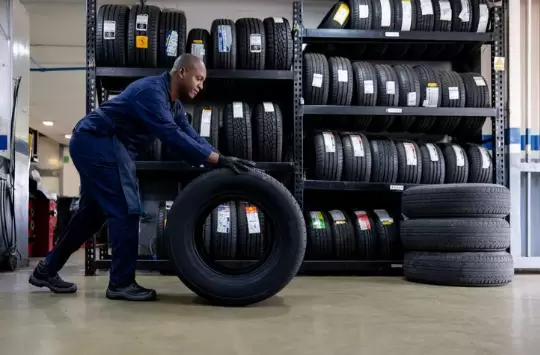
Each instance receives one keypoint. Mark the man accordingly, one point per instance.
(103, 146)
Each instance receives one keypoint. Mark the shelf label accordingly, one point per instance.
(410, 153)
(338, 217)
(141, 42)
(386, 13)
(433, 154)
(426, 7)
(268, 107)
(432, 96)
(453, 93)
(357, 145)
(368, 87)
(317, 220)
(342, 14)
(363, 220)
(329, 142)
(255, 43)
(498, 63)
(464, 15)
(343, 76)
(483, 18)
(446, 10)
(391, 34)
(479, 81)
(278, 19)
(393, 110)
(224, 36)
(141, 22)
(197, 49)
(171, 44)
(411, 98)
(396, 187)
(363, 11)
(391, 87)
(460, 156)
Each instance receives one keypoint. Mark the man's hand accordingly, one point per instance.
(235, 164)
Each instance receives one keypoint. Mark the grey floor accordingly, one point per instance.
(313, 315)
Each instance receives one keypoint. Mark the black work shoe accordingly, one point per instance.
(132, 292)
(41, 277)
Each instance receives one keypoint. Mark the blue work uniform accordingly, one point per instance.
(102, 147)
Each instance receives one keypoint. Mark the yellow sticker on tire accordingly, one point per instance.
(342, 14)
(141, 42)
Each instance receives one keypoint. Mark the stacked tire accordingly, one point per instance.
(456, 235)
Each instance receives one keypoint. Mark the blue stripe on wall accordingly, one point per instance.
(21, 146)
(513, 136)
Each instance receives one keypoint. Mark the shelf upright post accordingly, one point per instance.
(298, 104)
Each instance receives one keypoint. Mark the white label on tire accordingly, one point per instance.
(391, 87)
(433, 154)
(343, 76)
(363, 220)
(109, 30)
(446, 10)
(486, 159)
(363, 11)
(197, 49)
(317, 80)
(206, 121)
(432, 97)
(464, 15)
(223, 219)
(483, 18)
(329, 142)
(268, 107)
(171, 44)
(255, 43)
(254, 225)
(479, 81)
(410, 153)
(224, 34)
(141, 22)
(453, 93)
(384, 217)
(238, 110)
(411, 98)
(460, 156)
(386, 13)
(357, 146)
(278, 19)
(426, 7)
(368, 87)
(337, 216)
(407, 15)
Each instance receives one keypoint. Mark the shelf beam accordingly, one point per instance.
(398, 111)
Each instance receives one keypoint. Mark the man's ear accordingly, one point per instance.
(181, 72)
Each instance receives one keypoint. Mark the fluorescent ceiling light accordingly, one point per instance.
(48, 123)
(68, 136)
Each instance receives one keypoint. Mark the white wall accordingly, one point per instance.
(50, 159)
(70, 177)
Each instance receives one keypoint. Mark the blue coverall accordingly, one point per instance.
(102, 147)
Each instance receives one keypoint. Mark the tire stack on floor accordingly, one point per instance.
(456, 235)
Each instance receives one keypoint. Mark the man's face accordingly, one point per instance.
(192, 79)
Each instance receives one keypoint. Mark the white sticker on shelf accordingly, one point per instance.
(141, 22)
(197, 49)
(357, 146)
(426, 7)
(223, 218)
(396, 187)
(109, 30)
(224, 37)
(433, 154)
(206, 122)
(391, 87)
(411, 98)
(363, 220)
(268, 107)
(343, 76)
(460, 155)
(368, 87)
(453, 93)
(384, 217)
(386, 13)
(254, 225)
(278, 19)
(483, 18)
(391, 34)
(465, 13)
(432, 97)
(363, 11)
(317, 80)
(255, 43)
(446, 10)
(486, 159)
(238, 109)
(337, 216)
(329, 142)
(394, 110)
(407, 15)
(171, 44)
(410, 153)
(479, 81)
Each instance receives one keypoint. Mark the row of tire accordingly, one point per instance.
(253, 132)
(354, 157)
(145, 36)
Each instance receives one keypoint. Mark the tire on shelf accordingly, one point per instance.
(111, 36)
(409, 162)
(251, 236)
(409, 95)
(328, 156)
(199, 43)
(361, 16)
(153, 152)
(279, 43)
(237, 130)
(455, 234)
(251, 44)
(443, 15)
(316, 79)
(162, 245)
(320, 242)
(365, 235)
(206, 123)
(477, 96)
(456, 200)
(453, 95)
(480, 164)
(383, 15)
(356, 157)
(224, 240)
(143, 34)
(343, 235)
(425, 19)
(457, 163)
(337, 17)
(341, 81)
(263, 281)
(387, 235)
(384, 160)
(430, 96)
(462, 16)
(459, 269)
(365, 84)
(189, 117)
(223, 32)
(433, 164)
(388, 95)
(267, 121)
(172, 36)
(480, 16)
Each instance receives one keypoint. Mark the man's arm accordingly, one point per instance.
(182, 122)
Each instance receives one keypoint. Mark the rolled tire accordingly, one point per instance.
(111, 39)
(361, 14)
(199, 44)
(433, 164)
(356, 157)
(251, 43)
(143, 33)
(337, 17)
(480, 164)
(279, 43)
(328, 157)
(172, 37)
(316, 79)
(320, 244)
(341, 81)
(223, 34)
(267, 122)
(206, 123)
(237, 130)
(285, 256)
(457, 163)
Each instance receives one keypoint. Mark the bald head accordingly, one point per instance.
(188, 74)
(187, 61)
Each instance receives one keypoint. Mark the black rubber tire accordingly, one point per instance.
(361, 16)
(162, 244)
(154, 152)
(461, 23)
(388, 95)
(387, 235)
(206, 123)
(251, 243)
(457, 163)
(224, 50)
(316, 71)
(456, 200)
(409, 95)
(365, 84)
(341, 92)
(337, 17)
(455, 234)
(343, 235)
(384, 160)
(409, 162)
(356, 157)
(199, 43)
(224, 244)
(481, 19)
(429, 80)
(480, 164)
(285, 255)
(111, 45)
(251, 40)
(172, 37)
(328, 163)
(366, 237)
(320, 244)
(433, 164)
(267, 122)
(383, 15)
(453, 95)
(459, 269)
(139, 56)
(443, 15)
(477, 96)
(279, 43)
(425, 18)
(237, 131)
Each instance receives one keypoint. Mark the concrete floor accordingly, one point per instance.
(313, 315)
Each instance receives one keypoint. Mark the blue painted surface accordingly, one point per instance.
(3, 142)
(514, 136)
(21, 146)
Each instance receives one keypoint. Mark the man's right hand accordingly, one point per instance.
(235, 164)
